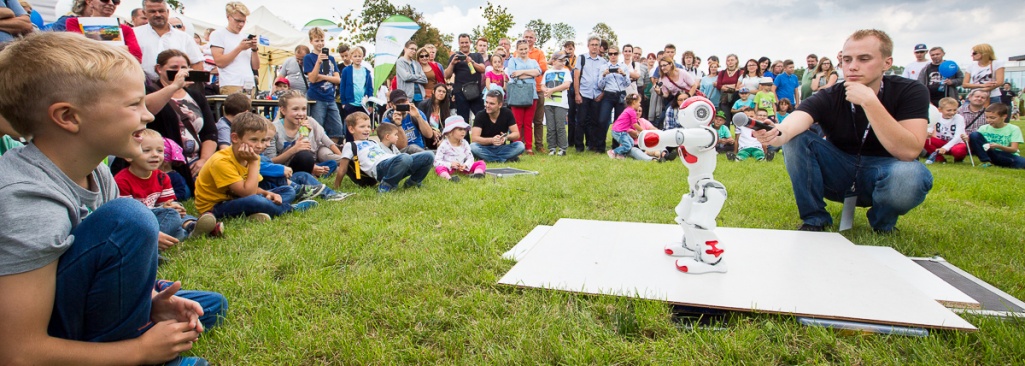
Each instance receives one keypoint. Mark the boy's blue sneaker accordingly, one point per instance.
(384, 188)
(304, 205)
(306, 192)
(187, 361)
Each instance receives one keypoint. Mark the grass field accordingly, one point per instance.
(410, 277)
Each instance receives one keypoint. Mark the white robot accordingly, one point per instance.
(700, 250)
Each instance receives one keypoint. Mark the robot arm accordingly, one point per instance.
(694, 134)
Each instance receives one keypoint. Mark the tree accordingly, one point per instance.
(605, 32)
(176, 5)
(498, 22)
(562, 32)
(551, 32)
(542, 30)
(363, 28)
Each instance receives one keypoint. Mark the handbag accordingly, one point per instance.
(521, 93)
(471, 91)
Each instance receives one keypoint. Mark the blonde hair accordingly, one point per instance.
(247, 122)
(316, 33)
(287, 97)
(236, 7)
(986, 51)
(66, 68)
(885, 43)
(150, 133)
(948, 102)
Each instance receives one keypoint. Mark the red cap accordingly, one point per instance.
(282, 80)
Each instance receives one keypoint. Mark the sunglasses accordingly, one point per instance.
(178, 26)
(974, 53)
(425, 56)
(613, 53)
(115, 2)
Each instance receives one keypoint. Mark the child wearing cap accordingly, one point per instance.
(556, 81)
(745, 101)
(766, 99)
(281, 86)
(144, 182)
(454, 152)
(726, 143)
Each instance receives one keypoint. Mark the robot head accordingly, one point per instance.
(695, 112)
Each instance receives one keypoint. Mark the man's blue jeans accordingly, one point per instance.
(326, 113)
(256, 203)
(106, 278)
(997, 157)
(818, 169)
(500, 153)
(416, 167)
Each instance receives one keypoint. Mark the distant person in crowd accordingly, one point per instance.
(997, 143)
(234, 105)
(537, 55)
(839, 67)
(467, 68)
(523, 69)
(764, 64)
(640, 66)
(1008, 97)
(379, 159)
(481, 46)
(298, 143)
(556, 91)
(784, 109)
(912, 70)
(235, 53)
(357, 82)
(139, 17)
(806, 79)
(454, 154)
(974, 109)
(727, 82)
(494, 136)
(787, 85)
(572, 124)
(438, 107)
(177, 23)
(985, 72)
(322, 72)
(690, 65)
(707, 84)
(775, 70)
(825, 75)
(343, 55)
(418, 133)
(409, 74)
(433, 71)
(292, 69)
(588, 73)
(630, 60)
(97, 8)
(751, 76)
(496, 78)
(507, 45)
(14, 21)
(675, 81)
(939, 87)
(613, 83)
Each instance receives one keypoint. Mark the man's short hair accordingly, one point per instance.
(947, 102)
(812, 55)
(316, 33)
(342, 48)
(628, 45)
(481, 39)
(236, 7)
(937, 48)
(409, 42)
(885, 43)
(593, 38)
(247, 122)
(568, 44)
(669, 46)
(497, 95)
(384, 129)
(303, 48)
(236, 103)
(788, 62)
(463, 35)
(137, 11)
(65, 68)
(355, 117)
(977, 90)
(999, 109)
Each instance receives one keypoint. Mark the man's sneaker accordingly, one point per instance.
(811, 228)
(477, 176)
(337, 196)
(512, 159)
(551, 151)
(204, 225)
(731, 156)
(306, 192)
(218, 230)
(454, 179)
(259, 217)
(561, 153)
(770, 154)
(304, 205)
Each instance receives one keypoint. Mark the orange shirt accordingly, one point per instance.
(538, 55)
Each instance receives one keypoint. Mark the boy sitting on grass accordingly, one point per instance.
(306, 186)
(228, 185)
(726, 144)
(378, 160)
(747, 145)
(78, 269)
(233, 105)
(144, 182)
(997, 142)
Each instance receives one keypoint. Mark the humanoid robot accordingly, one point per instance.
(700, 250)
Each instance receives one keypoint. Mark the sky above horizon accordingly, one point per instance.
(779, 30)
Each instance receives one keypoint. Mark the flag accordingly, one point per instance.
(392, 35)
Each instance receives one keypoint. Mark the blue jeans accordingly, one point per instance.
(609, 109)
(215, 305)
(818, 169)
(500, 153)
(170, 222)
(326, 113)
(298, 178)
(997, 157)
(625, 142)
(256, 203)
(391, 171)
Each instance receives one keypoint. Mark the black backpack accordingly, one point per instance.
(354, 173)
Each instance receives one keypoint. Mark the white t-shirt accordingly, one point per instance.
(982, 75)
(240, 71)
(911, 70)
(746, 138)
(554, 78)
(370, 154)
(949, 130)
(152, 45)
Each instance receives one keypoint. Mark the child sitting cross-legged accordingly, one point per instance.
(380, 160)
(747, 145)
(945, 135)
(143, 181)
(454, 152)
(228, 185)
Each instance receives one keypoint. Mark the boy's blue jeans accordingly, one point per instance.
(171, 221)
(326, 113)
(106, 278)
(997, 157)
(298, 178)
(818, 169)
(256, 203)
(416, 167)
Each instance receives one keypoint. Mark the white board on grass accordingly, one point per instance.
(925, 281)
(527, 243)
(820, 275)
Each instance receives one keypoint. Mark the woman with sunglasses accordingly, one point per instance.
(433, 71)
(102, 9)
(985, 72)
(409, 75)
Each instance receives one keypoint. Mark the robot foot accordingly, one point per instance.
(676, 249)
(692, 266)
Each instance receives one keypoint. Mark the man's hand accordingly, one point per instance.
(273, 197)
(767, 137)
(247, 153)
(859, 94)
(165, 340)
(580, 99)
(247, 43)
(166, 306)
(165, 242)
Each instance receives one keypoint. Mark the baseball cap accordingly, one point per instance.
(560, 56)
(720, 114)
(397, 95)
(282, 80)
(744, 90)
(921, 47)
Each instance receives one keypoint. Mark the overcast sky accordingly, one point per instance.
(778, 29)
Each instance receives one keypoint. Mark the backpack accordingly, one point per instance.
(354, 171)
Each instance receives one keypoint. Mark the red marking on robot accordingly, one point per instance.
(688, 157)
(682, 268)
(714, 250)
(669, 251)
(651, 139)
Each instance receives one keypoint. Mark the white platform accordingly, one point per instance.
(926, 282)
(821, 275)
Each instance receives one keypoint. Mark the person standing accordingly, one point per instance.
(409, 75)
(157, 36)
(707, 83)
(812, 61)
(727, 83)
(985, 72)
(322, 72)
(539, 112)
(911, 70)
(586, 76)
(939, 87)
(524, 69)
(235, 53)
(787, 85)
(466, 68)
(139, 17)
(615, 78)
(292, 69)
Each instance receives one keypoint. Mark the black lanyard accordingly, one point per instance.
(864, 136)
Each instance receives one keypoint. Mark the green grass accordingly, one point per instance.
(411, 277)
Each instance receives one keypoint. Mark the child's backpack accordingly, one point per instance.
(354, 172)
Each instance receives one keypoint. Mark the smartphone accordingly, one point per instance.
(402, 108)
(325, 51)
(194, 76)
(251, 37)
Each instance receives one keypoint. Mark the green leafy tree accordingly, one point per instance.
(362, 28)
(176, 5)
(498, 21)
(542, 30)
(562, 32)
(605, 32)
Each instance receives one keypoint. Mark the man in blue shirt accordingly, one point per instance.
(587, 75)
(787, 85)
(14, 20)
(419, 133)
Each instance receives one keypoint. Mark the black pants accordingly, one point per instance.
(592, 126)
(465, 108)
(571, 119)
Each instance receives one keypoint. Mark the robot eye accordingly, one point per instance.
(703, 113)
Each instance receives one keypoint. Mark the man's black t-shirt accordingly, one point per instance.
(491, 129)
(903, 98)
(1006, 97)
(462, 70)
(932, 73)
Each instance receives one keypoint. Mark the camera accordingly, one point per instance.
(402, 108)
(325, 51)
(194, 76)
(461, 56)
(613, 70)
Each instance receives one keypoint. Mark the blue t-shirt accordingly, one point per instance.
(740, 103)
(413, 135)
(321, 91)
(785, 85)
(359, 82)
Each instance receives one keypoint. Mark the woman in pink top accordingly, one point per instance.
(675, 81)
